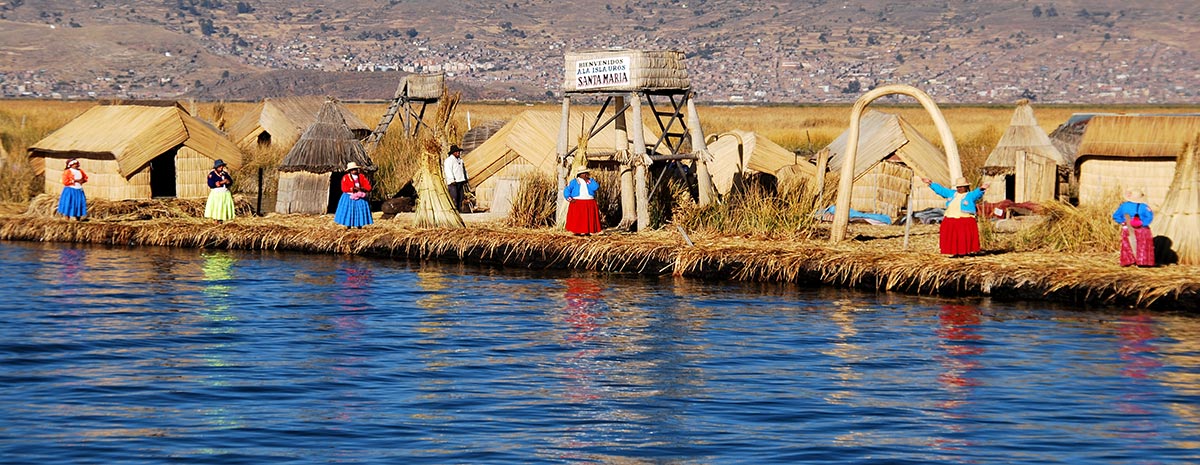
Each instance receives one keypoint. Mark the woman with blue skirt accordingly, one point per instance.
(72, 203)
(353, 210)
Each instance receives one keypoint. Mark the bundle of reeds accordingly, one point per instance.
(434, 207)
(535, 204)
(1067, 228)
(1179, 219)
(45, 206)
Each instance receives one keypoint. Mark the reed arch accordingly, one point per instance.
(841, 215)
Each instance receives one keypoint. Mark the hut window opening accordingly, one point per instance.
(264, 139)
(162, 175)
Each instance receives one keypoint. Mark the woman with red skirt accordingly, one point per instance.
(583, 215)
(959, 233)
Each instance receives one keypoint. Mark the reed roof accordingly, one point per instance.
(479, 134)
(1023, 135)
(880, 136)
(532, 136)
(285, 119)
(1179, 218)
(133, 135)
(758, 154)
(327, 145)
(1137, 136)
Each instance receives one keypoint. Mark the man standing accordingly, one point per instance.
(456, 176)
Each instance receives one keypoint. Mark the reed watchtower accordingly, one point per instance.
(414, 95)
(625, 79)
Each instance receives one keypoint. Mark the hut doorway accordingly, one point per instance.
(162, 175)
(1010, 186)
(335, 192)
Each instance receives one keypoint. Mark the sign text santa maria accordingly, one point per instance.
(602, 72)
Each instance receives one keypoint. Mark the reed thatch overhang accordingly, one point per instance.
(757, 155)
(1022, 135)
(327, 145)
(532, 137)
(1137, 136)
(285, 119)
(133, 135)
(880, 136)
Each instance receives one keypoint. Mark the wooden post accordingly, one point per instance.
(841, 217)
(625, 170)
(564, 165)
(912, 188)
(822, 169)
(703, 178)
(640, 162)
(258, 208)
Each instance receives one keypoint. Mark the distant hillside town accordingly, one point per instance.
(753, 51)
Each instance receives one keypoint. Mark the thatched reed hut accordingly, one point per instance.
(527, 144)
(1025, 166)
(479, 134)
(279, 122)
(1179, 217)
(310, 174)
(892, 156)
(1131, 151)
(133, 151)
(743, 153)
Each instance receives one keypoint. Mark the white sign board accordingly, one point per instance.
(602, 72)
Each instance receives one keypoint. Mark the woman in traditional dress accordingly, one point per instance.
(583, 215)
(1137, 242)
(959, 233)
(72, 203)
(353, 210)
(220, 202)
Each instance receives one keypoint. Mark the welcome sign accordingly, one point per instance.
(602, 72)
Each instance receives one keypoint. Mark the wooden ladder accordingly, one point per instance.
(380, 129)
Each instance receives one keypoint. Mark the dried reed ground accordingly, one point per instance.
(874, 260)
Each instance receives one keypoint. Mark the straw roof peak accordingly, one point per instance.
(1023, 135)
(327, 145)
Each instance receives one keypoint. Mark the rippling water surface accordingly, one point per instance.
(156, 355)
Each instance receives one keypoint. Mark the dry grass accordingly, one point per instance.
(535, 203)
(45, 205)
(874, 261)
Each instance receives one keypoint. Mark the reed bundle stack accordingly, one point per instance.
(1120, 152)
(434, 207)
(1025, 166)
(279, 122)
(133, 151)
(892, 156)
(528, 144)
(625, 70)
(1179, 218)
(310, 174)
(737, 154)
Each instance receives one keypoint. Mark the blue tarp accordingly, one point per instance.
(873, 218)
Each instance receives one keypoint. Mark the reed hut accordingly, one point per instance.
(892, 156)
(528, 144)
(1025, 166)
(310, 174)
(133, 151)
(738, 154)
(1179, 217)
(279, 122)
(1131, 151)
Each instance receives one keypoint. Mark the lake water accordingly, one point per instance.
(149, 355)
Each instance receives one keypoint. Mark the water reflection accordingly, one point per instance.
(960, 342)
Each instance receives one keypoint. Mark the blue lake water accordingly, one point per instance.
(149, 355)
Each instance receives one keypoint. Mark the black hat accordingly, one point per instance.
(454, 148)
(219, 163)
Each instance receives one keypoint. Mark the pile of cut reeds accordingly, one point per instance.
(46, 205)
